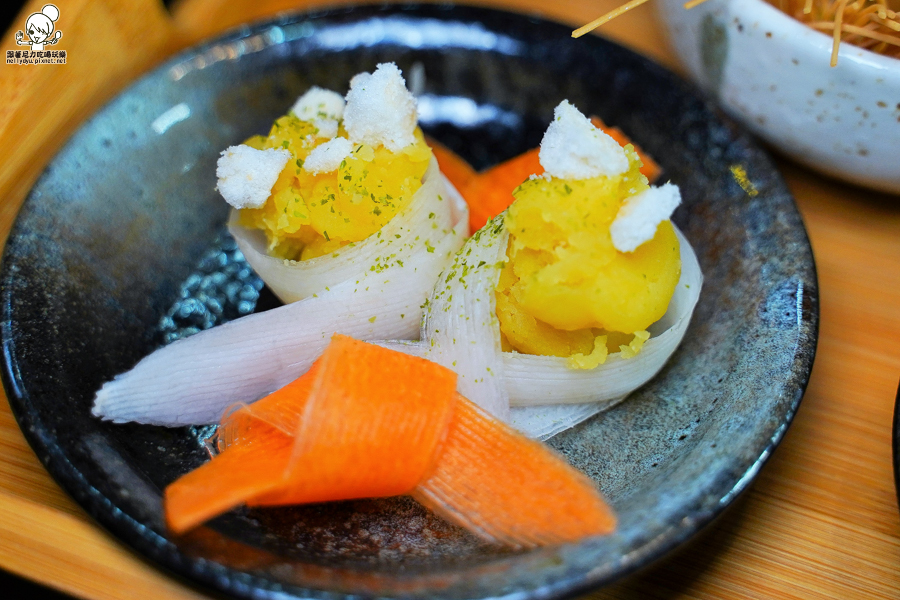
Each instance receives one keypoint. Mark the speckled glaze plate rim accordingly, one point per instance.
(218, 577)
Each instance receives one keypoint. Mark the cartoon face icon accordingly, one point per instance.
(40, 27)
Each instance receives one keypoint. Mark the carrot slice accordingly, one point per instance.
(257, 442)
(364, 422)
(281, 410)
(453, 166)
(510, 489)
(371, 426)
(650, 169)
(490, 193)
(230, 479)
(369, 422)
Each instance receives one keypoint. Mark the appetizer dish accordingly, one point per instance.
(577, 269)
(121, 277)
(583, 262)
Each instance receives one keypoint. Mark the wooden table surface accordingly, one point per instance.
(821, 520)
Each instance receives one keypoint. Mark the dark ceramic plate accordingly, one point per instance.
(116, 251)
(896, 445)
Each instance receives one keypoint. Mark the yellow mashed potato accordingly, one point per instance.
(565, 289)
(309, 215)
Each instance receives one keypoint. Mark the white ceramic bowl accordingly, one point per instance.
(773, 74)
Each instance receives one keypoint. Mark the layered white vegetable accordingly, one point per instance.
(372, 290)
(460, 328)
(539, 395)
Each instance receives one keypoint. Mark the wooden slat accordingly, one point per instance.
(70, 553)
(22, 474)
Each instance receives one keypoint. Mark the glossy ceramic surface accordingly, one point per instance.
(773, 74)
(118, 250)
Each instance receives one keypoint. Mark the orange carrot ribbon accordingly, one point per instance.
(370, 422)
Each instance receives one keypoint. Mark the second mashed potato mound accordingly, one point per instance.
(566, 289)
